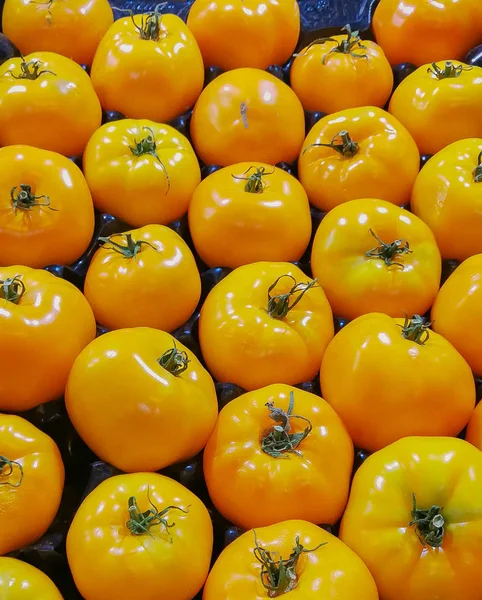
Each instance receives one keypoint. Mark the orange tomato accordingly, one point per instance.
(21, 581)
(237, 213)
(247, 115)
(148, 66)
(127, 385)
(295, 558)
(457, 311)
(371, 256)
(440, 104)
(242, 33)
(356, 153)
(47, 101)
(150, 536)
(31, 483)
(46, 210)
(474, 428)
(72, 28)
(340, 72)
(265, 323)
(45, 322)
(140, 171)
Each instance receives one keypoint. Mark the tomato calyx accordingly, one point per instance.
(279, 306)
(12, 289)
(148, 145)
(6, 471)
(341, 143)
(30, 70)
(131, 248)
(429, 524)
(478, 169)
(175, 361)
(254, 182)
(389, 252)
(150, 27)
(24, 199)
(449, 70)
(416, 329)
(346, 46)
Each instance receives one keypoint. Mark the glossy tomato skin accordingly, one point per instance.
(21, 581)
(57, 111)
(440, 471)
(234, 221)
(438, 112)
(247, 115)
(373, 171)
(32, 484)
(57, 227)
(43, 332)
(171, 563)
(156, 78)
(73, 29)
(153, 186)
(474, 428)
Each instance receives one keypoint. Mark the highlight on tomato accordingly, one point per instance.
(47, 101)
(31, 485)
(371, 256)
(247, 115)
(20, 580)
(339, 72)
(291, 556)
(244, 33)
(414, 518)
(127, 385)
(148, 66)
(265, 323)
(356, 153)
(237, 213)
(150, 536)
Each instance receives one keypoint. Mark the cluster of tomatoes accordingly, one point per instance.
(269, 241)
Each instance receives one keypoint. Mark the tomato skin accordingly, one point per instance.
(232, 227)
(375, 171)
(474, 428)
(247, 115)
(446, 472)
(29, 503)
(439, 112)
(73, 29)
(21, 581)
(142, 566)
(356, 284)
(144, 189)
(58, 111)
(156, 79)
(242, 344)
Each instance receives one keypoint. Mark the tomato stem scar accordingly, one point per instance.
(12, 290)
(148, 145)
(175, 361)
(243, 109)
(130, 250)
(254, 182)
(429, 524)
(6, 470)
(387, 252)
(341, 143)
(279, 306)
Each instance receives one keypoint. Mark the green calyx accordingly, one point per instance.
(449, 71)
(478, 169)
(389, 252)
(148, 146)
(254, 182)
(130, 249)
(12, 289)
(350, 45)
(175, 361)
(340, 143)
(24, 199)
(429, 524)
(7, 469)
(416, 329)
(30, 70)
(279, 306)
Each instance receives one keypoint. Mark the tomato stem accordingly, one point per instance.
(346, 46)
(449, 71)
(254, 182)
(387, 252)
(279, 306)
(175, 361)
(12, 289)
(25, 200)
(30, 70)
(429, 524)
(243, 111)
(148, 145)
(416, 329)
(6, 470)
(341, 143)
(150, 27)
(478, 169)
(130, 250)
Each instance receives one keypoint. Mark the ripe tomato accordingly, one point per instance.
(31, 481)
(140, 171)
(46, 210)
(371, 256)
(45, 323)
(244, 33)
(326, 73)
(356, 153)
(150, 536)
(127, 385)
(47, 101)
(457, 311)
(414, 517)
(247, 115)
(237, 213)
(148, 66)
(278, 474)
(291, 556)
(378, 372)
(21, 581)
(72, 28)
(474, 428)
(440, 104)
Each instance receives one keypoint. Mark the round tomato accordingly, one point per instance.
(265, 323)
(440, 104)
(141, 400)
(291, 556)
(356, 153)
(140, 536)
(31, 482)
(47, 101)
(46, 210)
(140, 171)
(371, 256)
(236, 216)
(474, 428)
(245, 33)
(148, 66)
(45, 322)
(72, 28)
(340, 72)
(414, 517)
(21, 581)
(247, 115)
